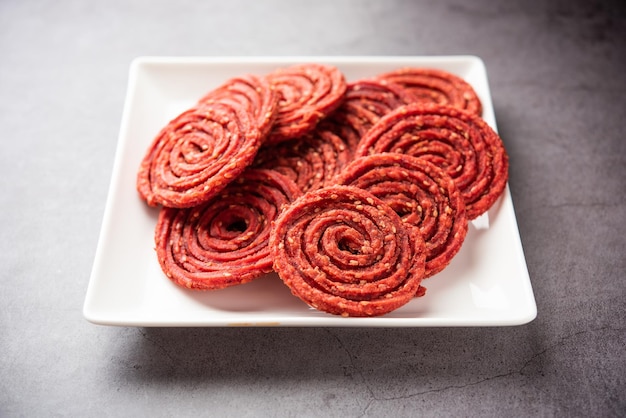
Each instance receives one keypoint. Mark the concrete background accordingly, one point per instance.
(556, 72)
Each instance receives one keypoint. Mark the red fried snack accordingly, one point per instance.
(311, 161)
(428, 85)
(364, 103)
(459, 142)
(197, 154)
(422, 194)
(253, 93)
(367, 100)
(225, 241)
(343, 251)
(346, 133)
(307, 93)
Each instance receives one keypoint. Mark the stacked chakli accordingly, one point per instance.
(352, 192)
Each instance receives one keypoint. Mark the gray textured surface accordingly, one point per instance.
(556, 73)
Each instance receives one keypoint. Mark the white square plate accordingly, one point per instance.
(487, 283)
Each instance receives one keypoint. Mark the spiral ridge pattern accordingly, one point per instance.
(224, 242)
(461, 143)
(342, 250)
(422, 194)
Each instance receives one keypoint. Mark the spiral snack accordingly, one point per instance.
(367, 100)
(457, 141)
(428, 85)
(311, 161)
(253, 93)
(344, 131)
(422, 194)
(343, 251)
(197, 154)
(306, 94)
(225, 241)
